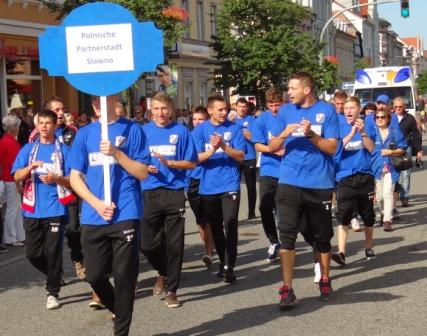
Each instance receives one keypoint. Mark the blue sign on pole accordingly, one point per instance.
(101, 49)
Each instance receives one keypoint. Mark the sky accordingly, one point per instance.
(412, 26)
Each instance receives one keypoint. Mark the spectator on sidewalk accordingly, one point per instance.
(13, 229)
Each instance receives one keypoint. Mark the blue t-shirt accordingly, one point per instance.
(46, 195)
(173, 142)
(245, 123)
(378, 162)
(354, 157)
(87, 159)
(196, 173)
(220, 173)
(304, 165)
(263, 129)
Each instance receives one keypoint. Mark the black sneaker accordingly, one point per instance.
(3, 249)
(220, 273)
(229, 275)
(287, 298)
(395, 214)
(325, 289)
(339, 258)
(370, 254)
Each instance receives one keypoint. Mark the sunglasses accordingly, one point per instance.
(380, 117)
(397, 107)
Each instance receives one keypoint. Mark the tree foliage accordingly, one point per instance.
(259, 44)
(422, 83)
(143, 10)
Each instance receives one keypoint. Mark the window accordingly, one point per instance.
(188, 95)
(213, 19)
(203, 93)
(200, 21)
(184, 4)
(23, 84)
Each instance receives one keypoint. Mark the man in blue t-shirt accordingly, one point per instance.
(42, 165)
(162, 226)
(109, 232)
(267, 125)
(356, 183)
(306, 179)
(221, 149)
(248, 167)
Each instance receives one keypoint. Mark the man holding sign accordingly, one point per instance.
(109, 232)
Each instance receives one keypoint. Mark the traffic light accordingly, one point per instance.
(404, 8)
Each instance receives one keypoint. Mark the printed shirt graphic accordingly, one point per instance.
(263, 129)
(354, 157)
(125, 189)
(47, 202)
(304, 165)
(173, 142)
(220, 173)
(246, 123)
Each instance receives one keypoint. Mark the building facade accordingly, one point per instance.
(366, 21)
(344, 45)
(391, 49)
(413, 54)
(322, 11)
(20, 75)
(187, 60)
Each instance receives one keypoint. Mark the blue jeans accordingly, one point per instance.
(405, 180)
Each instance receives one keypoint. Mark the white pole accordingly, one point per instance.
(105, 164)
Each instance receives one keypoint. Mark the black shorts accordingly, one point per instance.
(196, 202)
(356, 192)
(294, 204)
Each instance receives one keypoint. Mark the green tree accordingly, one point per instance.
(143, 10)
(259, 44)
(422, 83)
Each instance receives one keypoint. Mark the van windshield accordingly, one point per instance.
(370, 95)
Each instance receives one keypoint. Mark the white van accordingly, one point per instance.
(394, 81)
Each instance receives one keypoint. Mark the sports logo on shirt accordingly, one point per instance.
(173, 139)
(246, 124)
(120, 141)
(227, 136)
(320, 118)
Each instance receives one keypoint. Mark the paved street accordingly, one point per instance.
(386, 296)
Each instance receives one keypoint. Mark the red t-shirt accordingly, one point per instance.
(9, 149)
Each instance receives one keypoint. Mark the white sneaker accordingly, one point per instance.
(273, 252)
(52, 302)
(355, 225)
(317, 273)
